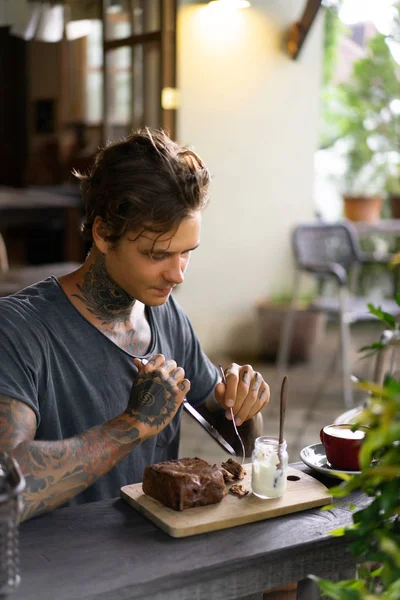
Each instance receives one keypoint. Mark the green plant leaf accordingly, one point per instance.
(328, 506)
(350, 589)
(390, 547)
(376, 572)
(393, 592)
(374, 388)
(374, 346)
(339, 532)
(382, 315)
(392, 384)
(363, 572)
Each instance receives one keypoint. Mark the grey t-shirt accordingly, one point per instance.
(74, 377)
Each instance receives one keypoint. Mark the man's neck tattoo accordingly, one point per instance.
(103, 298)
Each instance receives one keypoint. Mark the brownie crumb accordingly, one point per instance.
(235, 468)
(228, 477)
(238, 490)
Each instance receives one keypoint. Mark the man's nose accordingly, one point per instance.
(176, 271)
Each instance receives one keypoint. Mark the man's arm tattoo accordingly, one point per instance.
(17, 423)
(56, 471)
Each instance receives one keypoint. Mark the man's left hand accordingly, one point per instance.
(245, 392)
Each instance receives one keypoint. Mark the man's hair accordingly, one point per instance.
(145, 182)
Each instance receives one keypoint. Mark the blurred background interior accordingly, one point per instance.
(294, 106)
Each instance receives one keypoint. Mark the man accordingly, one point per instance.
(95, 366)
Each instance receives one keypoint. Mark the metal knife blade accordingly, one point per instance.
(209, 428)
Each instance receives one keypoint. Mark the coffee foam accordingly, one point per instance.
(344, 432)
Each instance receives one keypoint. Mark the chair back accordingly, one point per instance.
(326, 243)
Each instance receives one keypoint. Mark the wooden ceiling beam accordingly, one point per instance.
(299, 30)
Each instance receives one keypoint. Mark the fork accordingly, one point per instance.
(221, 370)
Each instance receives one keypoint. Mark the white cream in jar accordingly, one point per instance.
(270, 460)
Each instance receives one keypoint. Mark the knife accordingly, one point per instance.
(209, 428)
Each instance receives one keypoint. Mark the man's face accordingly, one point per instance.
(150, 266)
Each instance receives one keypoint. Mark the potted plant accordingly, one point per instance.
(364, 128)
(308, 327)
(374, 536)
(362, 207)
(369, 129)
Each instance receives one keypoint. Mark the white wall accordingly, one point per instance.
(252, 114)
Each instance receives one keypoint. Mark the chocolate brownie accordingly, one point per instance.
(235, 468)
(184, 483)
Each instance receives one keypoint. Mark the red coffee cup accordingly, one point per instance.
(342, 445)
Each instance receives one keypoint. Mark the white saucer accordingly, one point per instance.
(314, 457)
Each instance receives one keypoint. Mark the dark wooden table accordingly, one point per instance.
(107, 550)
(33, 206)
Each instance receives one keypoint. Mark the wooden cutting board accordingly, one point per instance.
(303, 492)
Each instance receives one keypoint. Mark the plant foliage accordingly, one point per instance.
(374, 536)
(360, 113)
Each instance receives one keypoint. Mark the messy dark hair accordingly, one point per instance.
(145, 182)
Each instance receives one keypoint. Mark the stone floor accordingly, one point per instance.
(315, 395)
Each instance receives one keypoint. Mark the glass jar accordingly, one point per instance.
(270, 460)
(12, 484)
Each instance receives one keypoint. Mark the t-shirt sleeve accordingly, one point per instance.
(200, 371)
(20, 358)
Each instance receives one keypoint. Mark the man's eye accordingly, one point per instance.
(157, 257)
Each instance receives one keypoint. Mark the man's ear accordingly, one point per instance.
(99, 232)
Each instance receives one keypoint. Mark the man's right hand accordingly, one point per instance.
(157, 393)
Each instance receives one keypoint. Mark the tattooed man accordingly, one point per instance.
(79, 410)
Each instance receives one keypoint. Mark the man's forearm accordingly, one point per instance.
(57, 471)
(249, 430)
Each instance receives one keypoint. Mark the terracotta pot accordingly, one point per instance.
(307, 331)
(362, 208)
(395, 205)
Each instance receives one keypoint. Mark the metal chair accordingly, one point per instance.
(387, 363)
(12, 280)
(331, 251)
